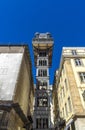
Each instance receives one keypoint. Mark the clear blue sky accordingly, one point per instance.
(64, 19)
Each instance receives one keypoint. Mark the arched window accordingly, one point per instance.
(45, 62)
(44, 73)
(40, 62)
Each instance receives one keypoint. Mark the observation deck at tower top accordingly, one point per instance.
(43, 42)
(42, 37)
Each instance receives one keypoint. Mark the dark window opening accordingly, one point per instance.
(42, 101)
(42, 62)
(74, 52)
(78, 62)
(41, 123)
(42, 85)
(83, 94)
(45, 123)
(42, 54)
(38, 123)
(82, 76)
(42, 73)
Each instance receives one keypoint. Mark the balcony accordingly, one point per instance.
(42, 108)
(42, 39)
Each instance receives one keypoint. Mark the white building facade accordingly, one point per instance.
(16, 88)
(70, 86)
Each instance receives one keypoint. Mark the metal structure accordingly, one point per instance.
(42, 46)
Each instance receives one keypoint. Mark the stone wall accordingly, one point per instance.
(75, 97)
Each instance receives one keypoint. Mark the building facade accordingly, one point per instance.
(70, 88)
(16, 88)
(42, 46)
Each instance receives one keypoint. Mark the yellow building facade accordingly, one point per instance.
(16, 88)
(70, 88)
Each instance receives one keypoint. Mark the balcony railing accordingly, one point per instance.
(42, 108)
(42, 39)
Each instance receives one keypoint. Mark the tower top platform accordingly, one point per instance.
(42, 36)
(43, 42)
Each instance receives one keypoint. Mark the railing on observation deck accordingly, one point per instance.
(42, 39)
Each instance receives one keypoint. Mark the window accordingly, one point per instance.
(41, 85)
(45, 94)
(41, 123)
(63, 112)
(38, 123)
(82, 76)
(44, 83)
(69, 104)
(45, 102)
(66, 109)
(66, 84)
(45, 123)
(42, 101)
(42, 54)
(39, 72)
(83, 94)
(74, 52)
(78, 62)
(42, 73)
(63, 92)
(42, 62)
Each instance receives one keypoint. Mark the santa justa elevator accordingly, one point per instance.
(42, 46)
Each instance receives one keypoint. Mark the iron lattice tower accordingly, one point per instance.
(42, 46)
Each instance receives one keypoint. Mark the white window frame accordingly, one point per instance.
(82, 77)
(78, 62)
(74, 52)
